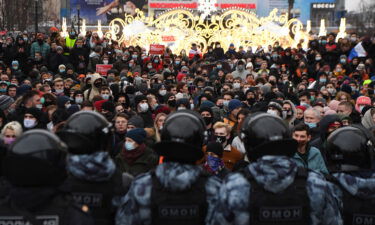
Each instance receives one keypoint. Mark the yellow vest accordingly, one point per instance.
(69, 43)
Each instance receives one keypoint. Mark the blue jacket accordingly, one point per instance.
(135, 206)
(275, 174)
(315, 161)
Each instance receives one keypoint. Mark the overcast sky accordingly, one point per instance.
(354, 5)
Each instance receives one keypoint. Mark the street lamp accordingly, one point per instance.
(36, 17)
(79, 18)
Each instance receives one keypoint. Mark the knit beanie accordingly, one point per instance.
(5, 102)
(216, 148)
(138, 135)
(234, 104)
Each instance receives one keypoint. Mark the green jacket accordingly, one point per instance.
(314, 162)
(146, 162)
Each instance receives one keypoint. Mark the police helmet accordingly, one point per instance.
(349, 149)
(182, 137)
(86, 132)
(35, 159)
(266, 134)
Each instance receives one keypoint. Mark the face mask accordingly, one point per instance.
(3, 90)
(311, 125)
(226, 103)
(305, 105)
(322, 80)
(39, 106)
(339, 70)
(59, 91)
(15, 67)
(172, 103)
(68, 106)
(236, 85)
(61, 70)
(353, 39)
(29, 123)
(129, 146)
(240, 67)
(220, 139)
(361, 108)
(98, 85)
(214, 163)
(9, 140)
(332, 91)
(181, 108)
(272, 112)
(105, 61)
(318, 58)
(50, 126)
(219, 66)
(156, 61)
(207, 120)
(143, 107)
(353, 88)
(130, 64)
(79, 100)
(285, 114)
(105, 96)
(343, 61)
(192, 106)
(149, 67)
(162, 92)
(134, 56)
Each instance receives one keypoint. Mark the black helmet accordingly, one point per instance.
(37, 158)
(182, 137)
(265, 134)
(86, 132)
(349, 149)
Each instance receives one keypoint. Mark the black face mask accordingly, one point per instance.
(40, 41)
(98, 85)
(208, 120)
(172, 103)
(250, 101)
(220, 139)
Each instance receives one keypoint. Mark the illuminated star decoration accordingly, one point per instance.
(206, 7)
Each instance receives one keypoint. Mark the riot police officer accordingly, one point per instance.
(35, 167)
(272, 189)
(350, 159)
(177, 192)
(93, 177)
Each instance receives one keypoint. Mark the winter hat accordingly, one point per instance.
(346, 88)
(334, 104)
(23, 89)
(136, 121)
(139, 98)
(73, 109)
(234, 104)
(215, 147)
(206, 109)
(138, 135)
(180, 76)
(5, 102)
(303, 108)
(162, 109)
(276, 106)
(362, 100)
(183, 101)
(207, 104)
(35, 112)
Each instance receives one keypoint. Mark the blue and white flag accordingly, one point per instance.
(357, 51)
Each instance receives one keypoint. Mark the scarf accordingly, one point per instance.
(131, 156)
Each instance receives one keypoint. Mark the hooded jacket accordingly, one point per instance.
(367, 120)
(93, 91)
(274, 174)
(240, 73)
(291, 120)
(135, 206)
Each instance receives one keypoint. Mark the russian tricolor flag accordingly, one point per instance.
(357, 51)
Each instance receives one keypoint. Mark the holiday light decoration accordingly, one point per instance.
(342, 29)
(83, 28)
(206, 7)
(99, 31)
(64, 28)
(322, 29)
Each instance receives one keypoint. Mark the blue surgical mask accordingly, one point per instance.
(129, 146)
(311, 125)
(3, 90)
(322, 80)
(62, 70)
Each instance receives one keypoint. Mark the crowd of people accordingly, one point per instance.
(148, 112)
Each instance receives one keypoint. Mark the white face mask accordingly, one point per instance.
(105, 61)
(129, 146)
(162, 92)
(39, 106)
(67, 106)
(226, 103)
(79, 100)
(50, 126)
(29, 123)
(272, 112)
(236, 85)
(192, 106)
(143, 107)
(105, 96)
(181, 108)
(59, 91)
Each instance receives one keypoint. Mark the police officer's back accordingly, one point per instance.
(93, 177)
(35, 167)
(271, 189)
(349, 159)
(177, 192)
